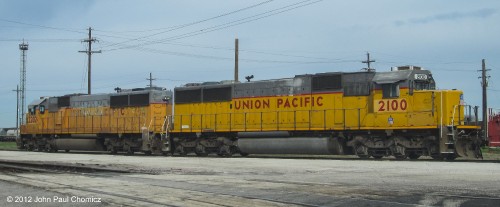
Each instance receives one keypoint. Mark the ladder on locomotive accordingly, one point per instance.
(164, 134)
(451, 133)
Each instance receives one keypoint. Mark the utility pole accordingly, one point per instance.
(89, 52)
(22, 80)
(150, 79)
(484, 84)
(367, 62)
(236, 60)
(17, 110)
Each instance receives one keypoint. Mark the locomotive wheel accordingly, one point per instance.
(180, 149)
(437, 157)
(66, 150)
(400, 157)
(413, 156)
(112, 150)
(49, 148)
(364, 156)
(243, 154)
(451, 157)
(360, 150)
(130, 152)
(225, 151)
(148, 153)
(200, 151)
(378, 156)
(201, 154)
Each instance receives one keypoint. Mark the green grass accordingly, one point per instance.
(491, 150)
(8, 146)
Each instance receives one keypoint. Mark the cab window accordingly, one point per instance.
(390, 90)
(424, 85)
(32, 111)
(42, 109)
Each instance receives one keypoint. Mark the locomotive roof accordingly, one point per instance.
(392, 76)
(399, 74)
(37, 102)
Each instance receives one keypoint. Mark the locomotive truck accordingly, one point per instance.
(396, 113)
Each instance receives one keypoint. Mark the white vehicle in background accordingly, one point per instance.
(10, 135)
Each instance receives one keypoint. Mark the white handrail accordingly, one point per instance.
(453, 116)
(441, 115)
(166, 125)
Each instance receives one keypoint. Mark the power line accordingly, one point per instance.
(158, 51)
(170, 29)
(225, 25)
(40, 40)
(241, 50)
(43, 26)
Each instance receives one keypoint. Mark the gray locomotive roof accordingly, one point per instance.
(392, 76)
(37, 102)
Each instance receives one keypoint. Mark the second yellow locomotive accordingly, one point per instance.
(397, 113)
(129, 120)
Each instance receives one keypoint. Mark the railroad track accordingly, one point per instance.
(310, 157)
(16, 169)
(227, 192)
(352, 157)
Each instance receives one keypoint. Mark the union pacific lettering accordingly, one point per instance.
(251, 104)
(289, 102)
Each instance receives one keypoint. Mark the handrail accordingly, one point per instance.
(310, 119)
(165, 126)
(467, 115)
(90, 124)
(453, 116)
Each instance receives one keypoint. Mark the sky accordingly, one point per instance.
(190, 41)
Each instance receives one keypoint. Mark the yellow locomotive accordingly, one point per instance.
(397, 113)
(129, 120)
(369, 114)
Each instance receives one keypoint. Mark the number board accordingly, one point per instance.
(421, 77)
(390, 105)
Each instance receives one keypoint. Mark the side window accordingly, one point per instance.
(390, 90)
(42, 109)
(32, 110)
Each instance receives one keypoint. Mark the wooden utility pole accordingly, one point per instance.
(17, 111)
(484, 84)
(150, 79)
(89, 52)
(368, 62)
(236, 60)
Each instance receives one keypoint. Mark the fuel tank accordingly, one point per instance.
(79, 144)
(283, 143)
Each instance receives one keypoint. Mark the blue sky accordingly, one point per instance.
(278, 38)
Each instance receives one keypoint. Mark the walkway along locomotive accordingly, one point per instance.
(397, 113)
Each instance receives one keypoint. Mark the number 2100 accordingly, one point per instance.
(392, 105)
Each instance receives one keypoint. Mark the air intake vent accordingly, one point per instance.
(408, 67)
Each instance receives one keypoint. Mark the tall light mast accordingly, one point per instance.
(22, 81)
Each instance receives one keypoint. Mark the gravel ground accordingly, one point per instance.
(213, 181)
